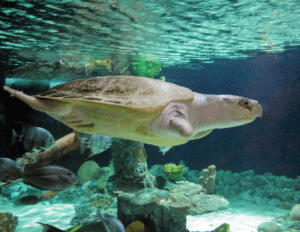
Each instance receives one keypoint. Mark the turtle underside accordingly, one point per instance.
(117, 106)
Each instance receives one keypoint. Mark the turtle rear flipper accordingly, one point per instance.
(46, 106)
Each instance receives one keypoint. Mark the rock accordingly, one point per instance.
(295, 213)
(204, 203)
(234, 178)
(260, 180)
(156, 170)
(268, 227)
(249, 173)
(187, 188)
(88, 171)
(192, 176)
(154, 207)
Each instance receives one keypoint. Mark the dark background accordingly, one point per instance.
(269, 144)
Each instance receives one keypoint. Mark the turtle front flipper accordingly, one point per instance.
(29, 100)
(182, 125)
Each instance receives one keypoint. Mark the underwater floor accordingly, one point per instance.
(240, 215)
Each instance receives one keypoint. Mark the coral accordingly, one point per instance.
(144, 67)
(208, 182)
(173, 171)
(135, 226)
(8, 222)
(88, 171)
(101, 202)
(48, 195)
(295, 213)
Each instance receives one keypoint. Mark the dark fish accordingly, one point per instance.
(33, 138)
(50, 177)
(48, 228)
(10, 172)
(29, 200)
(95, 143)
(111, 223)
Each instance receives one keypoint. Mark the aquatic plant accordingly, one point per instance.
(173, 171)
(8, 222)
(144, 67)
(88, 171)
(101, 202)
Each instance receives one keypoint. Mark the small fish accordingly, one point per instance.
(50, 177)
(222, 228)
(162, 78)
(111, 223)
(49, 228)
(33, 138)
(10, 172)
(29, 200)
(164, 149)
(104, 62)
(95, 143)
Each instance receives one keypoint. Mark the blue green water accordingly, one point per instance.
(236, 47)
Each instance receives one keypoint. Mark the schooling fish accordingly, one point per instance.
(50, 177)
(33, 138)
(95, 143)
(164, 149)
(10, 172)
(111, 223)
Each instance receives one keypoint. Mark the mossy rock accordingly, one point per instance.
(88, 171)
(295, 213)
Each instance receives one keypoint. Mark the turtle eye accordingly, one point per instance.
(245, 103)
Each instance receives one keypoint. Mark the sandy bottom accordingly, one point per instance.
(242, 217)
(59, 215)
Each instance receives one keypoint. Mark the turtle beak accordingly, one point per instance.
(255, 112)
(260, 110)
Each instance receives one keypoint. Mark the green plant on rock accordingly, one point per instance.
(173, 171)
(101, 202)
(144, 67)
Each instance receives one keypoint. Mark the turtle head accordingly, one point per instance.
(236, 111)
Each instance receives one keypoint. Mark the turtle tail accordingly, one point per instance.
(29, 100)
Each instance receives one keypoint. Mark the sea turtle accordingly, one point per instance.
(140, 108)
